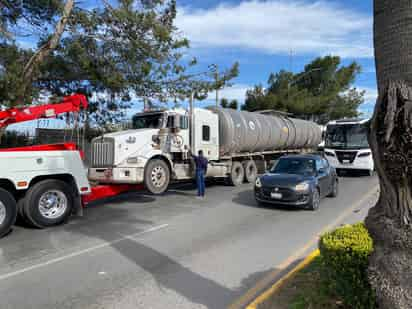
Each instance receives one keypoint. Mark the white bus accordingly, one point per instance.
(347, 147)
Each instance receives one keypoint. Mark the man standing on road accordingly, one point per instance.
(201, 169)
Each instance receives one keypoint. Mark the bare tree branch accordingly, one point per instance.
(46, 49)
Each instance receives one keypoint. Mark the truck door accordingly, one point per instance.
(206, 133)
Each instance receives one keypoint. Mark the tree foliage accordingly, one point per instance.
(321, 92)
(116, 53)
(225, 103)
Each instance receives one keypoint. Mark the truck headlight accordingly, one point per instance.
(301, 187)
(258, 183)
(132, 160)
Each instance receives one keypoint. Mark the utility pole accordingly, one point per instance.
(191, 130)
(217, 86)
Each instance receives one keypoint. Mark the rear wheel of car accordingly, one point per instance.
(315, 200)
(8, 212)
(250, 171)
(335, 189)
(237, 174)
(157, 176)
(48, 203)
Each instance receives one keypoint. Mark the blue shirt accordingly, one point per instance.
(201, 163)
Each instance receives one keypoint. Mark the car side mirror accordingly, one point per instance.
(322, 171)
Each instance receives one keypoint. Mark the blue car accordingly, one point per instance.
(298, 180)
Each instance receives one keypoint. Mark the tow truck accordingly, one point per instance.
(46, 184)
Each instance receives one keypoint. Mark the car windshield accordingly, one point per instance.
(152, 121)
(347, 136)
(295, 166)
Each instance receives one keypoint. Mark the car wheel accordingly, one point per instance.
(315, 200)
(335, 189)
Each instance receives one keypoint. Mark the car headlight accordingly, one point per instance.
(258, 183)
(303, 186)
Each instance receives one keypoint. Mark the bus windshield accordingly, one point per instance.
(347, 136)
(148, 121)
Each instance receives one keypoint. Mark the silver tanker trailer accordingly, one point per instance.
(238, 145)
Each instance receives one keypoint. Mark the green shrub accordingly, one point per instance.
(345, 254)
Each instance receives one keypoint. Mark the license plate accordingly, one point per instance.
(346, 161)
(277, 196)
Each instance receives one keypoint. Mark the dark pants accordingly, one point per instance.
(200, 181)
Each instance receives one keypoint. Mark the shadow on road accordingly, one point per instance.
(116, 222)
(172, 275)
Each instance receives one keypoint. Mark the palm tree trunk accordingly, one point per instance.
(390, 221)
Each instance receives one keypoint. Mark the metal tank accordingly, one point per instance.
(241, 131)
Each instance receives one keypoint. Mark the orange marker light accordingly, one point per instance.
(22, 184)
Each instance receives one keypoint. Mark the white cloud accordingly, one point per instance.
(236, 92)
(278, 26)
(371, 94)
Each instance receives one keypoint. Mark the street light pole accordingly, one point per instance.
(217, 86)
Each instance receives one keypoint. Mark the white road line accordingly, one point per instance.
(80, 252)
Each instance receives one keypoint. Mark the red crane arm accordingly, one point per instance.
(72, 103)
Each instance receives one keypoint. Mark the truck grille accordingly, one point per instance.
(102, 152)
(346, 156)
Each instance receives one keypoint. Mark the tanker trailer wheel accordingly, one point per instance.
(251, 171)
(237, 174)
(8, 212)
(48, 203)
(157, 176)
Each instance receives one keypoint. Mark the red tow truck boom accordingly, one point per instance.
(72, 103)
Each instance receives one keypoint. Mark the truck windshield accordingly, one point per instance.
(347, 136)
(294, 166)
(149, 121)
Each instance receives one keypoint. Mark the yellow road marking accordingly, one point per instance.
(268, 279)
(263, 297)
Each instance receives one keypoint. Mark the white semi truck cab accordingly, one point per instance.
(347, 147)
(157, 150)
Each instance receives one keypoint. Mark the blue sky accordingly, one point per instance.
(262, 34)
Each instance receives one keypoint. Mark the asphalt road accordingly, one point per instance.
(173, 251)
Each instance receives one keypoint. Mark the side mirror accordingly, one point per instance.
(322, 171)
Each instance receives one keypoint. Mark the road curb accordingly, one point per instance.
(275, 287)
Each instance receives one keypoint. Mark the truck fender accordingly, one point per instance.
(162, 157)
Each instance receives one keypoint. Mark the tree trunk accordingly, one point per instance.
(390, 221)
(46, 49)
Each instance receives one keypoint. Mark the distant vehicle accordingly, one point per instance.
(347, 147)
(298, 180)
(321, 146)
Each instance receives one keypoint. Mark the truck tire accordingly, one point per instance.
(48, 203)
(237, 174)
(21, 217)
(8, 212)
(251, 171)
(157, 176)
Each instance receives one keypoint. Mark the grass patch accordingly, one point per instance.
(305, 290)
